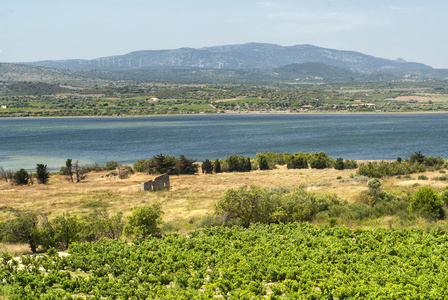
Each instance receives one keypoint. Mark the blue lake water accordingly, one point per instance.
(24, 142)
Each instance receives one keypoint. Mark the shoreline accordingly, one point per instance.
(238, 113)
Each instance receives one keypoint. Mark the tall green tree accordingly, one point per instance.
(163, 164)
(68, 229)
(217, 166)
(42, 174)
(207, 167)
(187, 166)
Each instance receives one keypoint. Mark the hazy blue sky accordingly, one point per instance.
(33, 30)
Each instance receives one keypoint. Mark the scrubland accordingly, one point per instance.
(191, 197)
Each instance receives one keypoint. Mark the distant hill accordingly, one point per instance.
(27, 73)
(20, 72)
(244, 56)
(313, 71)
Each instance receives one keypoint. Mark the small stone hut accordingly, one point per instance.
(161, 182)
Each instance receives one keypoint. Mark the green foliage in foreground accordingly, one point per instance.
(144, 221)
(428, 202)
(262, 262)
(281, 205)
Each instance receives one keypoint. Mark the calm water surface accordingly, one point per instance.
(24, 142)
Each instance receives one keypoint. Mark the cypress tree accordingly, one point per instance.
(207, 167)
(217, 166)
(42, 174)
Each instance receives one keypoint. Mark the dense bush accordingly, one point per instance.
(270, 158)
(111, 165)
(382, 168)
(350, 164)
(144, 221)
(23, 229)
(257, 205)
(415, 163)
(21, 177)
(297, 161)
(141, 165)
(263, 163)
(339, 164)
(320, 160)
(428, 203)
(34, 228)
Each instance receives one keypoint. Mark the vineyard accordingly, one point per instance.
(292, 261)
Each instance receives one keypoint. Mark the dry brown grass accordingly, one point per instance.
(15, 249)
(191, 196)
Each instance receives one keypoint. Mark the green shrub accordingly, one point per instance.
(141, 165)
(263, 163)
(422, 177)
(320, 160)
(23, 229)
(67, 229)
(111, 165)
(350, 164)
(144, 221)
(444, 196)
(441, 178)
(21, 177)
(271, 158)
(297, 161)
(339, 164)
(428, 203)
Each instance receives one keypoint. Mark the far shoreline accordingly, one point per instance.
(238, 113)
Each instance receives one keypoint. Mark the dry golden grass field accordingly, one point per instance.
(191, 197)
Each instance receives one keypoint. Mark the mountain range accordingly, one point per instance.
(243, 56)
